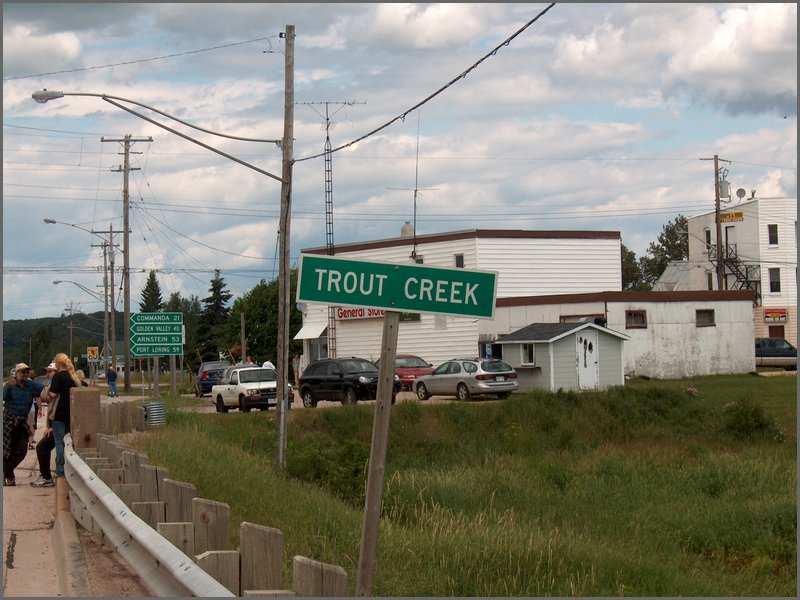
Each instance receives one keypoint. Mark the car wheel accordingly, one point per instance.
(221, 405)
(308, 399)
(244, 405)
(422, 392)
(349, 396)
(504, 395)
(462, 392)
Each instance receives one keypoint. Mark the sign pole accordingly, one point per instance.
(377, 460)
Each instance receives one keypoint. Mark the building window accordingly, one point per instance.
(710, 280)
(705, 317)
(459, 261)
(419, 260)
(772, 233)
(527, 354)
(635, 319)
(775, 280)
(707, 234)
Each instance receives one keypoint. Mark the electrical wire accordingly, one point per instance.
(141, 60)
(463, 75)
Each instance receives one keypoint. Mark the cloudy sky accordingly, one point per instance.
(593, 117)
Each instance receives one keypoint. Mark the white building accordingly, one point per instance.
(759, 252)
(526, 262)
(545, 277)
(671, 335)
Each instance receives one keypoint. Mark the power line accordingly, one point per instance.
(463, 75)
(141, 60)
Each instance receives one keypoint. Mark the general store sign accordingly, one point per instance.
(396, 287)
(344, 313)
(775, 315)
(729, 217)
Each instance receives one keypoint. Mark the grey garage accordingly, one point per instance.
(569, 356)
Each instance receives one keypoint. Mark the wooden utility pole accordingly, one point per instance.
(284, 283)
(126, 274)
(367, 558)
(718, 220)
(241, 334)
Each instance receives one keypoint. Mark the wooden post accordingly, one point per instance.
(222, 565)
(262, 557)
(313, 578)
(178, 497)
(152, 480)
(367, 558)
(84, 417)
(180, 535)
(151, 513)
(211, 525)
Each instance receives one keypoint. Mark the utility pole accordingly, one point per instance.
(718, 221)
(244, 342)
(126, 274)
(108, 345)
(284, 283)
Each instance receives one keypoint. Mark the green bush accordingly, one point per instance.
(743, 419)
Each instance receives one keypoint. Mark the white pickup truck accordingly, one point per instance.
(246, 387)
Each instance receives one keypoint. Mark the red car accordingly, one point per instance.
(408, 367)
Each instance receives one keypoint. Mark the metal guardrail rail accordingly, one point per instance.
(167, 571)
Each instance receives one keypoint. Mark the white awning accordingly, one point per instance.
(311, 331)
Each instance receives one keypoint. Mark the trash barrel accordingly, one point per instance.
(155, 414)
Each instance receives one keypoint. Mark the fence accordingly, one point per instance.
(178, 543)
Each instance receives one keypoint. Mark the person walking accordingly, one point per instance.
(18, 395)
(59, 416)
(268, 365)
(111, 377)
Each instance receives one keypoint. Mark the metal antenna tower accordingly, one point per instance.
(416, 193)
(329, 201)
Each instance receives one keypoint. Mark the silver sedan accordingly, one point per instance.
(467, 377)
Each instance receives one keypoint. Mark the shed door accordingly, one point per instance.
(588, 366)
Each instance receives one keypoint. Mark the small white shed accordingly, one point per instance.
(569, 356)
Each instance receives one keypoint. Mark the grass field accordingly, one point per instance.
(661, 488)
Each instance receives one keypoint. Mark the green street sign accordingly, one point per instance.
(146, 339)
(174, 317)
(396, 287)
(156, 334)
(156, 328)
(156, 350)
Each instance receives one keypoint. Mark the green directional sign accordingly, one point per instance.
(156, 334)
(173, 317)
(156, 350)
(397, 287)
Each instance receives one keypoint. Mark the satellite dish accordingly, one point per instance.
(741, 193)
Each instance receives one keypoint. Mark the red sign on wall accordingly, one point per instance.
(774, 315)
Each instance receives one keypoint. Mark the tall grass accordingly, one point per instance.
(661, 488)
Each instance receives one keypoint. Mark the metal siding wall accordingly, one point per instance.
(564, 354)
(528, 267)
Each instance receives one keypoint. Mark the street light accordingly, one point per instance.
(109, 312)
(88, 291)
(287, 162)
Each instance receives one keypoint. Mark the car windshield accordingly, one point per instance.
(358, 366)
(253, 375)
(410, 362)
(495, 366)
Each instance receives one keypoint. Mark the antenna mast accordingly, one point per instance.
(329, 202)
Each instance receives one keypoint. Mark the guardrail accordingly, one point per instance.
(167, 571)
(178, 543)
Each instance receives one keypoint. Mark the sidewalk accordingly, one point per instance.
(29, 559)
(36, 546)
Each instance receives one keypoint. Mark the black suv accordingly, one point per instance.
(346, 380)
(207, 376)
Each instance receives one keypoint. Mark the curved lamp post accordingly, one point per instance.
(110, 313)
(287, 161)
(88, 291)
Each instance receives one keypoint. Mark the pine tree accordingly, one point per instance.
(151, 295)
(213, 318)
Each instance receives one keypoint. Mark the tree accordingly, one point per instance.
(631, 271)
(190, 309)
(672, 245)
(213, 318)
(151, 295)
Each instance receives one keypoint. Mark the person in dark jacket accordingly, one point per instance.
(18, 397)
(59, 419)
(111, 377)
